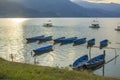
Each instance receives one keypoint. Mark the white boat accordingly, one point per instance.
(118, 28)
(95, 24)
(48, 24)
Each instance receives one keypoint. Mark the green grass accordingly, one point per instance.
(19, 71)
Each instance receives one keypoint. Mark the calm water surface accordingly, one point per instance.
(13, 32)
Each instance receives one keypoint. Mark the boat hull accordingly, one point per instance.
(48, 25)
(34, 39)
(103, 43)
(90, 42)
(79, 41)
(94, 63)
(94, 66)
(117, 29)
(58, 40)
(94, 27)
(68, 40)
(43, 50)
(49, 38)
(80, 61)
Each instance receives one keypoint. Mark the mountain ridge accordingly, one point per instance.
(47, 8)
(104, 6)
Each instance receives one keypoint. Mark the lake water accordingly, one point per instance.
(13, 32)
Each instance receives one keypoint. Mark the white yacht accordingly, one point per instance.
(48, 24)
(118, 28)
(95, 24)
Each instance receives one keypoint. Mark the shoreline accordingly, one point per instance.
(23, 71)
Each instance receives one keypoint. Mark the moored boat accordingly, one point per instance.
(118, 28)
(95, 24)
(103, 43)
(48, 24)
(33, 39)
(58, 40)
(68, 40)
(90, 42)
(95, 63)
(79, 41)
(48, 38)
(80, 62)
(42, 50)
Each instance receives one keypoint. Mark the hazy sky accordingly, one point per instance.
(101, 1)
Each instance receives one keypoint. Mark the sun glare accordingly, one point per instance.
(18, 20)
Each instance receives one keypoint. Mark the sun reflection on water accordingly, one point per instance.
(18, 20)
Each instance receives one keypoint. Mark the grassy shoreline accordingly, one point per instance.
(21, 71)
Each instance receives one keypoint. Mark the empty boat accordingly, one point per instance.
(103, 43)
(95, 63)
(33, 39)
(80, 62)
(79, 41)
(68, 40)
(42, 50)
(90, 42)
(44, 39)
(58, 40)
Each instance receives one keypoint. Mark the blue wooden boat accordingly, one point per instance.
(103, 43)
(58, 40)
(95, 63)
(80, 41)
(68, 40)
(80, 62)
(33, 39)
(44, 39)
(42, 50)
(90, 42)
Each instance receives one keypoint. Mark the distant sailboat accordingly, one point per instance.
(48, 24)
(95, 24)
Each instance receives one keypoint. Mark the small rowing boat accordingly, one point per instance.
(58, 40)
(80, 61)
(90, 42)
(92, 64)
(79, 41)
(42, 50)
(33, 39)
(95, 63)
(44, 39)
(103, 43)
(68, 40)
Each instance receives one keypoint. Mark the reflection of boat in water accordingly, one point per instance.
(48, 24)
(95, 24)
(118, 28)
